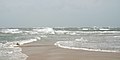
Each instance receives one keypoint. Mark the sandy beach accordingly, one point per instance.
(47, 51)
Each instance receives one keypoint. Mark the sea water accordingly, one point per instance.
(69, 38)
(10, 38)
(91, 40)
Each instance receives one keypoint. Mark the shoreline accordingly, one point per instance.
(85, 49)
(48, 51)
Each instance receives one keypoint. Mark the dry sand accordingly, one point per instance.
(47, 51)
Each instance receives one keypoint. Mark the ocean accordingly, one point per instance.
(90, 39)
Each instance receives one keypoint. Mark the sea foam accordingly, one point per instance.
(12, 31)
(88, 49)
(44, 30)
(10, 51)
(73, 44)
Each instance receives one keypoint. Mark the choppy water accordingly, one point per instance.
(70, 38)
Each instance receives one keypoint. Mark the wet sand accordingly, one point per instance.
(47, 51)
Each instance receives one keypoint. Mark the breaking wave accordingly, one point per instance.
(12, 31)
(81, 44)
(10, 51)
(44, 30)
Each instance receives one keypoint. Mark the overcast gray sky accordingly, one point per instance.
(59, 13)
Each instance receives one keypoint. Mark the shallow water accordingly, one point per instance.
(70, 38)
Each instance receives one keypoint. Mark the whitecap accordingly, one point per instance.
(9, 52)
(69, 45)
(116, 36)
(81, 39)
(44, 30)
(12, 31)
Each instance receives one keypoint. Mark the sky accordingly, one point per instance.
(59, 13)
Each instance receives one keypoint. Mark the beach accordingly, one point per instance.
(58, 44)
(42, 50)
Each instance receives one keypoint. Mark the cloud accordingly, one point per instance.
(56, 11)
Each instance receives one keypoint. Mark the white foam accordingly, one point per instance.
(13, 31)
(81, 40)
(104, 29)
(44, 36)
(62, 32)
(83, 32)
(44, 30)
(38, 38)
(9, 52)
(59, 44)
(117, 36)
(27, 41)
(73, 33)
(97, 31)
(31, 32)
